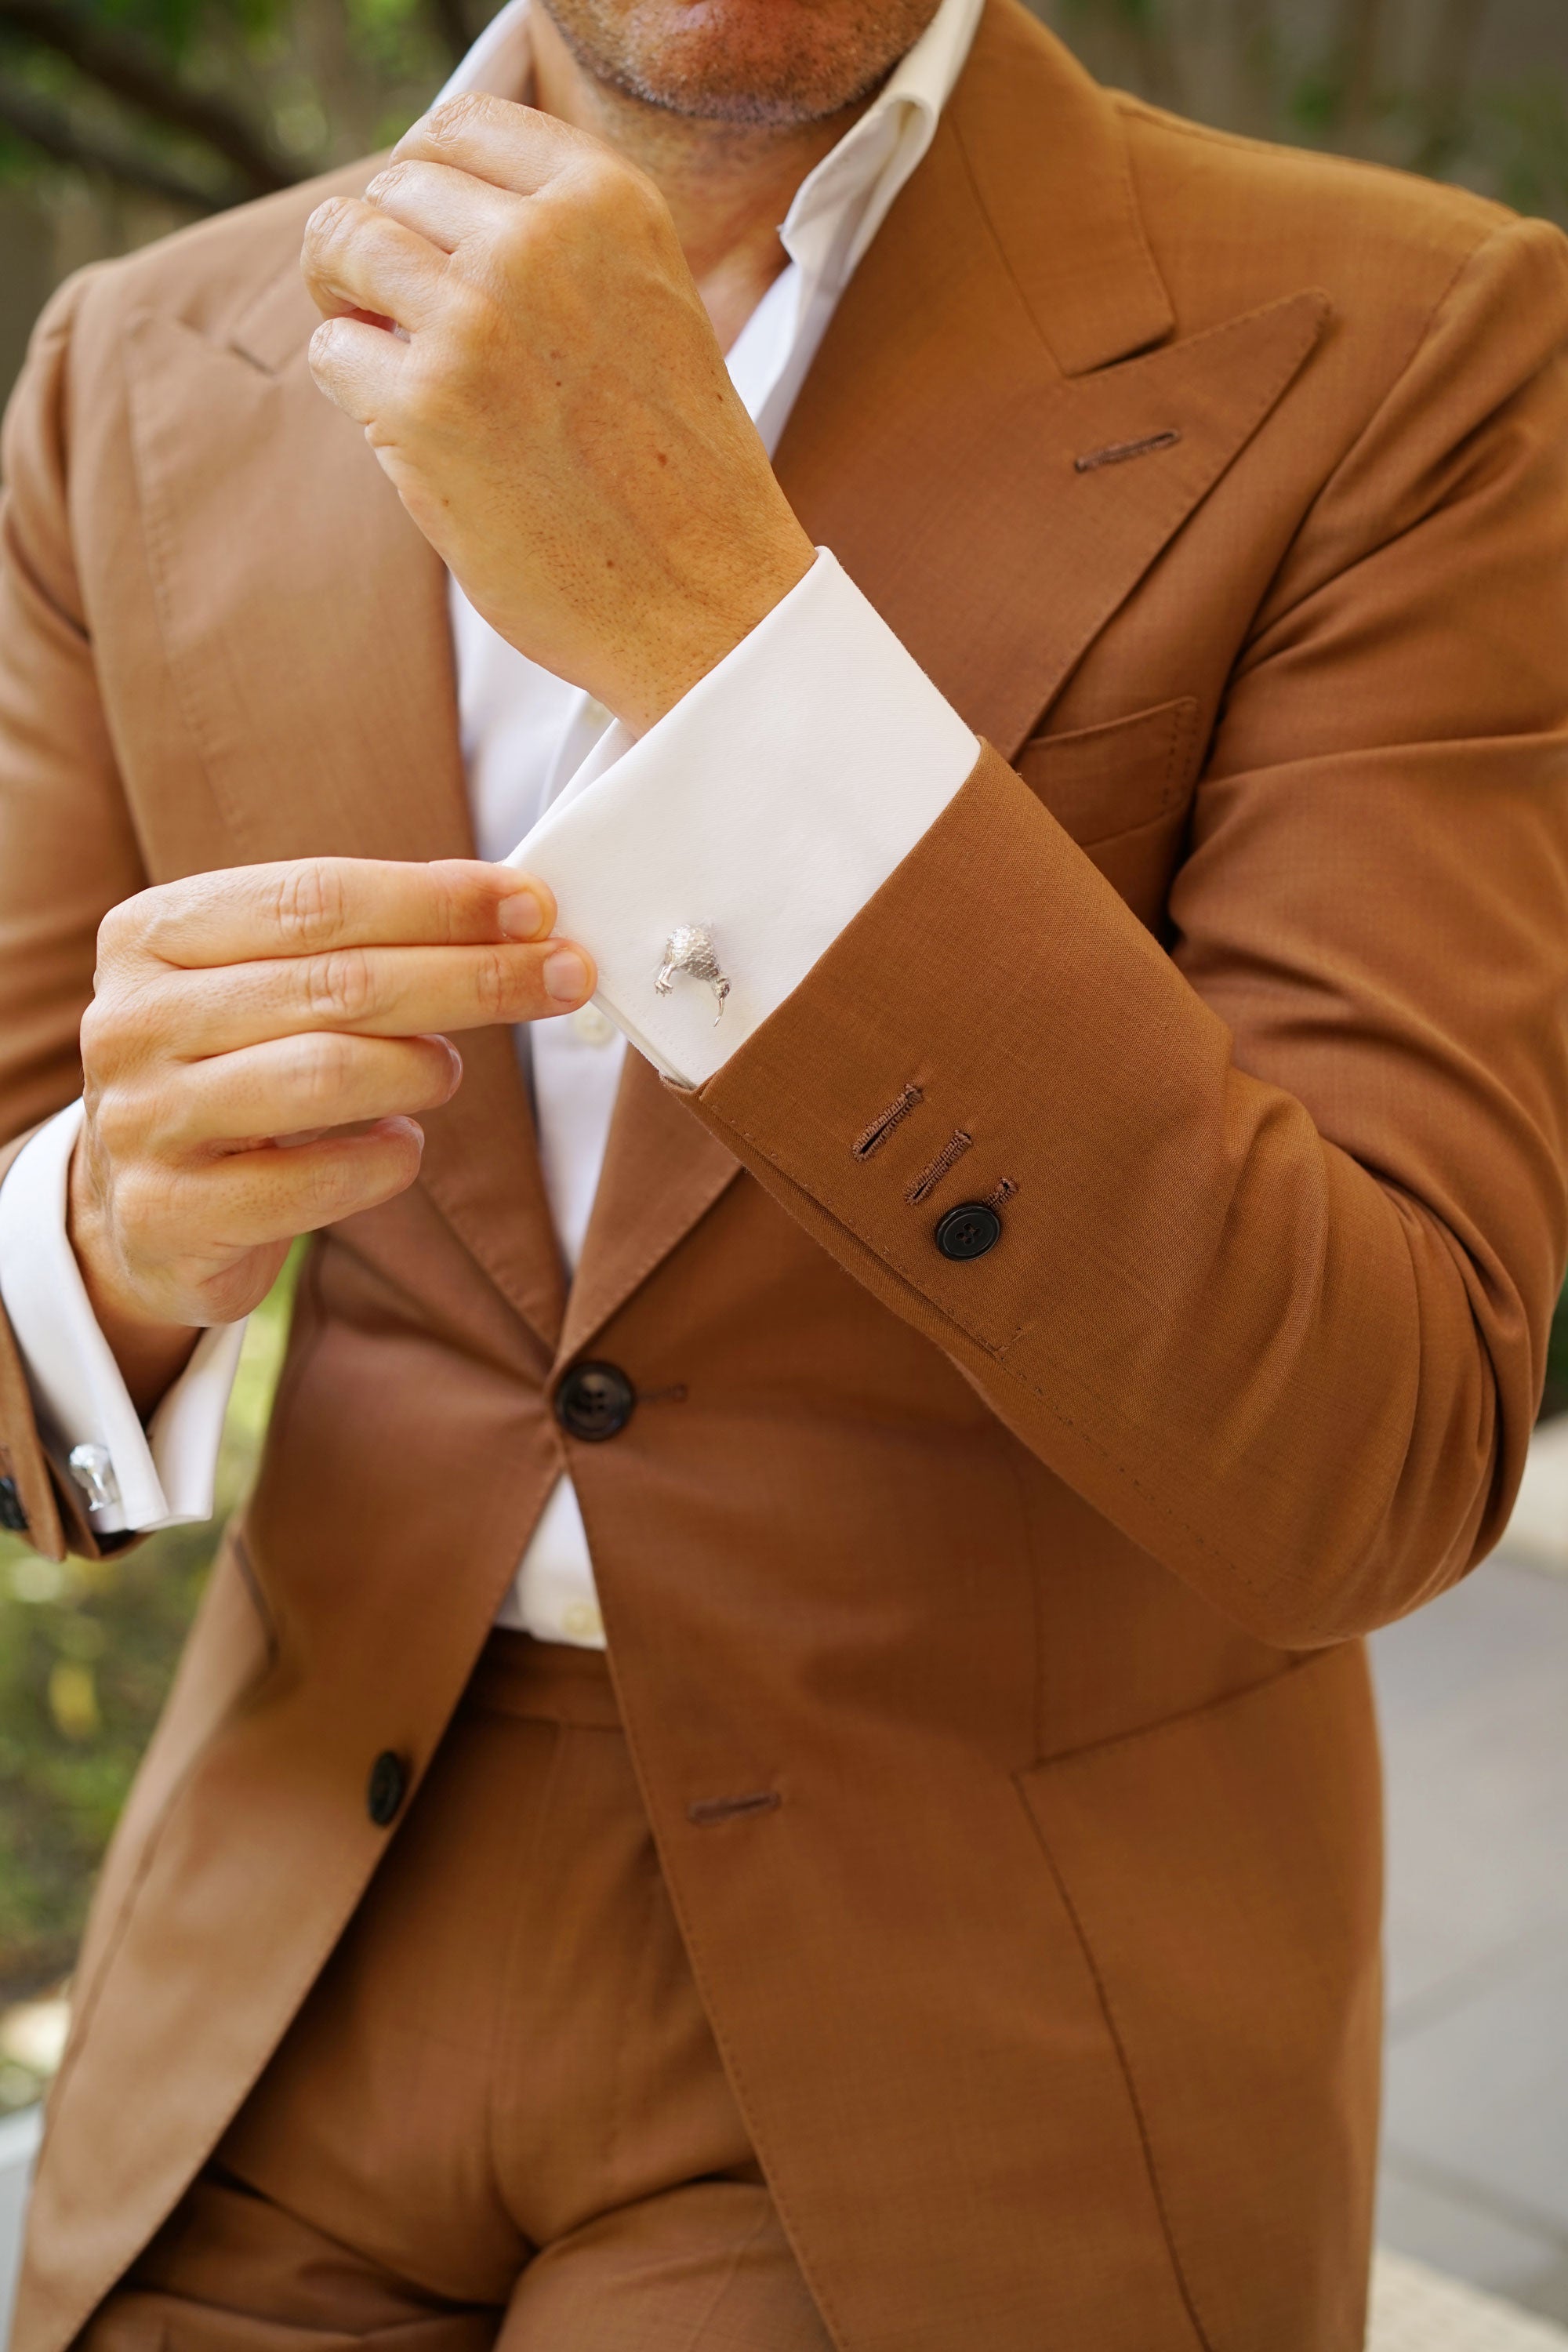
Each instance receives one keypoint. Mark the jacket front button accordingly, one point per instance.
(594, 1402)
(388, 1787)
(969, 1231)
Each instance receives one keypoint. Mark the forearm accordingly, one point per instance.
(1259, 1361)
(150, 1354)
(121, 1469)
(768, 805)
(29, 1505)
(1281, 1208)
(1304, 1389)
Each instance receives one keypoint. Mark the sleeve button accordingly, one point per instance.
(388, 1787)
(969, 1231)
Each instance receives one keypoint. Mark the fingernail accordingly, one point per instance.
(520, 916)
(565, 976)
(401, 1126)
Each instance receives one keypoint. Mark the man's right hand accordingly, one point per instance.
(255, 1058)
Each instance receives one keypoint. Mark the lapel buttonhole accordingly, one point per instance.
(1118, 452)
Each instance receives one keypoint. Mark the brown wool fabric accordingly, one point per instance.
(986, 1632)
(500, 2116)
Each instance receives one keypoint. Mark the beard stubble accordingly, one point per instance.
(743, 62)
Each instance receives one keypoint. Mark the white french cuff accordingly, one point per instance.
(162, 1477)
(766, 808)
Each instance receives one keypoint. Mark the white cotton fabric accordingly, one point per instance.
(166, 1474)
(768, 811)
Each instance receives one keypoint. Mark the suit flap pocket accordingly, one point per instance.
(1224, 1873)
(1100, 781)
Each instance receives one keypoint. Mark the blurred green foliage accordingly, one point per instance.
(87, 1651)
(1555, 1399)
(200, 103)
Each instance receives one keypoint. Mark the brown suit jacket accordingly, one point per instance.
(1224, 490)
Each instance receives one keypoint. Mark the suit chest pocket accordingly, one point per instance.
(1122, 790)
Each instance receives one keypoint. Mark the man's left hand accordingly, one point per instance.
(553, 409)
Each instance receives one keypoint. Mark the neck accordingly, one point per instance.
(728, 185)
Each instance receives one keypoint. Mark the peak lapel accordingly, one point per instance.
(971, 365)
(1008, 324)
(975, 358)
(304, 620)
(662, 1171)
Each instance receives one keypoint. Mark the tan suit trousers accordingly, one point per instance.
(500, 2115)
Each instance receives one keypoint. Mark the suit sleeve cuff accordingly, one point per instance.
(768, 805)
(162, 1476)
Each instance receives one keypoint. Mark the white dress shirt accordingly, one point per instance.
(769, 804)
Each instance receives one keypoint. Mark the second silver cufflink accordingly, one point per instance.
(93, 1470)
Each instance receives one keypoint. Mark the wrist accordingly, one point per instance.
(659, 672)
(151, 1353)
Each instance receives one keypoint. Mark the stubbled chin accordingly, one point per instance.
(745, 60)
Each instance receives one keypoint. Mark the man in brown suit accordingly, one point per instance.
(1000, 1390)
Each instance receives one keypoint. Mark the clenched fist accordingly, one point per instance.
(257, 1051)
(512, 318)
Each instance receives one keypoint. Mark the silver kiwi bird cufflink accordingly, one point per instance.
(689, 949)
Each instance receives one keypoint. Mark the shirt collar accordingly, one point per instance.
(841, 204)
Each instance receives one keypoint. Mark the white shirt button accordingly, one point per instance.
(581, 1621)
(592, 1027)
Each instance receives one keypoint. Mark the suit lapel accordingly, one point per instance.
(662, 1172)
(1006, 332)
(938, 447)
(975, 360)
(305, 623)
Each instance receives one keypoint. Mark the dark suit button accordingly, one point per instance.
(12, 1515)
(388, 1787)
(594, 1402)
(969, 1231)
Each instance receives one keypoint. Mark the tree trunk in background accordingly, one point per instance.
(1358, 43)
(1253, 66)
(1446, 80)
(26, 274)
